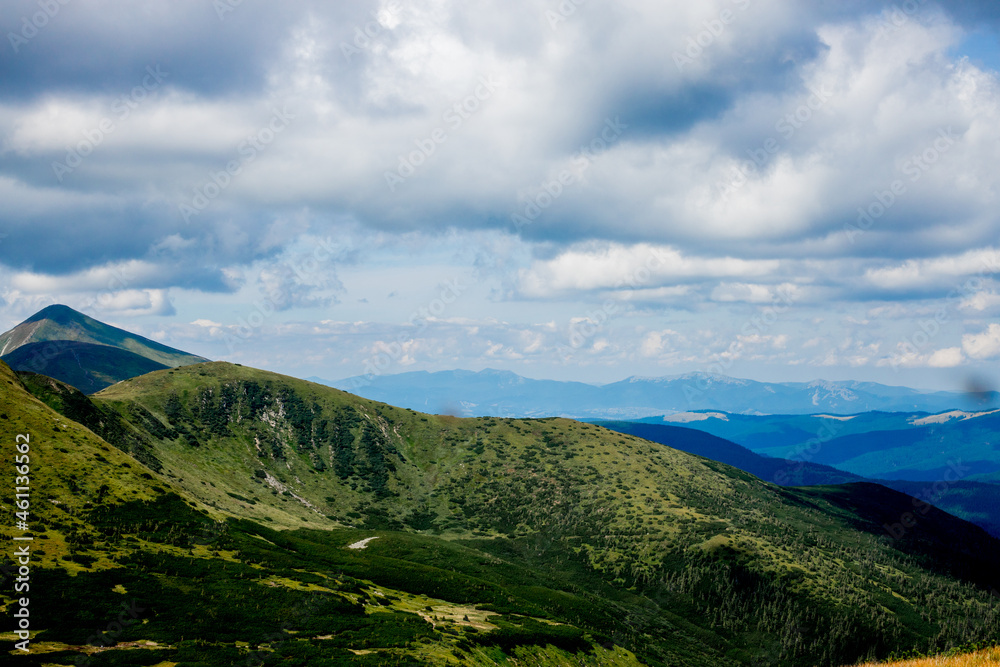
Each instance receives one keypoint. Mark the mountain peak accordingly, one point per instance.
(68, 345)
(58, 313)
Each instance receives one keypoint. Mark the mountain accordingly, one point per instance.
(501, 393)
(467, 393)
(976, 502)
(486, 541)
(951, 446)
(779, 471)
(86, 366)
(90, 355)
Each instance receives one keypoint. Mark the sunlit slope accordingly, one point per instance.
(985, 658)
(737, 555)
(109, 531)
(71, 471)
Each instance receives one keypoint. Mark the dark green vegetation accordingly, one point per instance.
(496, 539)
(83, 352)
(978, 502)
(780, 471)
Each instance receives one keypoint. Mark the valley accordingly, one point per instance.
(624, 544)
(308, 525)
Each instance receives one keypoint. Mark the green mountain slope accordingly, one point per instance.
(90, 355)
(622, 513)
(123, 570)
(781, 471)
(496, 541)
(72, 471)
(977, 502)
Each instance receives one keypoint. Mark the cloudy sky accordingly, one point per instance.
(775, 189)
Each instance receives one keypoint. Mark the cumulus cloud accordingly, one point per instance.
(985, 345)
(614, 266)
(813, 156)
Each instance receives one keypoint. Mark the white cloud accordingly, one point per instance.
(130, 303)
(614, 266)
(109, 278)
(985, 345)
(948, 357)
(942, 272)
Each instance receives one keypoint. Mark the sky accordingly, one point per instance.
(568, 189)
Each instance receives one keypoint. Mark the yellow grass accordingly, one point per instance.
(987, 658)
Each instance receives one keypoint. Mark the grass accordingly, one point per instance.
(553, 537)
(986, 658)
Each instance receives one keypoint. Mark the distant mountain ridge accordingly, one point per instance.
(65, 344)
(977, 502)
(913, 446)
(505, 394)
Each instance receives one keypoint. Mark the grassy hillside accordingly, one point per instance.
(781, 471)
(623, 513)
(495, 540)
(111, 532)
(985, 658)
(64, 457)
(977, 502)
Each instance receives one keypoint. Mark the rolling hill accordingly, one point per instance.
(505, 394)
(977, 502)
(492, 539)
(90, 355)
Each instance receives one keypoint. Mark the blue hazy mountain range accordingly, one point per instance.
(949, 446)
(506, 394)
(953, 491)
